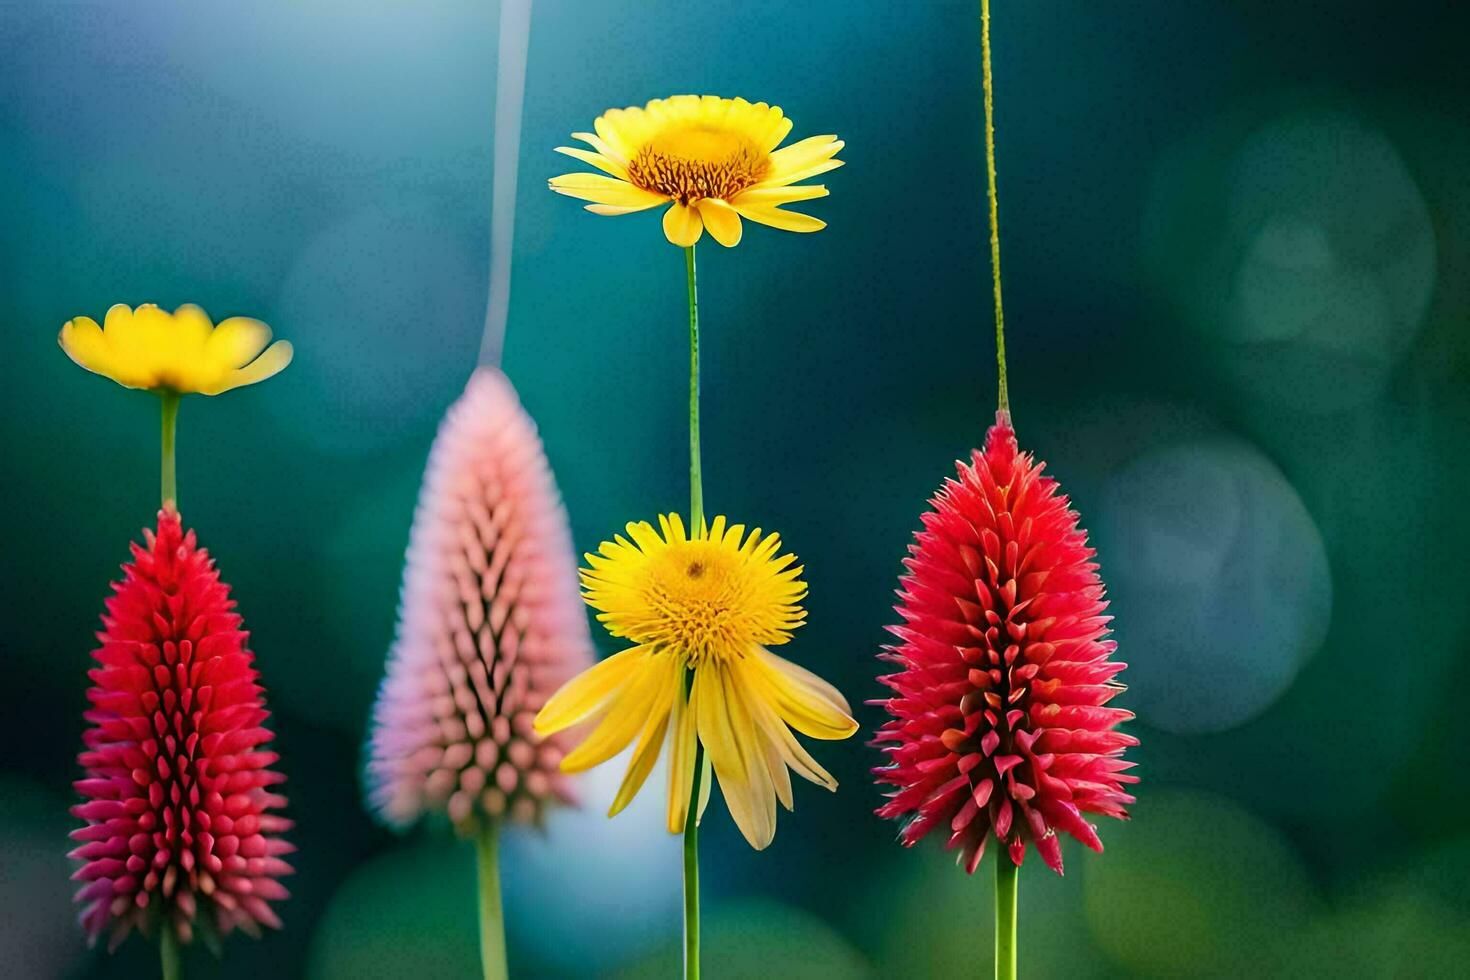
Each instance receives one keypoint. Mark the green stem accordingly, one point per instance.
(1006, 877)
(1000, 318)
(170, 424)
(168, 951)
(492, 917)
(696, 521)
(691, 871)
(696, 480)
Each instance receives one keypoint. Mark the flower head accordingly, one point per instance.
(1000, 726)
(180, 812)
(715, 159)
(181, 352)
(490, 624)
(700, 612)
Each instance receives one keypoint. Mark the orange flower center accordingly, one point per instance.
(694, 162)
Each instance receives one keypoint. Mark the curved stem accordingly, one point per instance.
(691, 871)
(168, 949)
(492, 919)
(1006, 877)
(1000, 319)
(696, 481)
(170, 423)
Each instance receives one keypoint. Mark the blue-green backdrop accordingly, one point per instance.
(1236, 245)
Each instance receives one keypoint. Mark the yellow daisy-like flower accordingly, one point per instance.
(701, 611)
(180, 352)
(714, 158)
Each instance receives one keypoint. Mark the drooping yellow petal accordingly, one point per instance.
(682, 751)
(721, 221)
(800, 675)
(584, 695)
(804, 708)
(740, 782)
(767, 727)
(651, 738)
(791, 751)
(682, 225)
(622, 720)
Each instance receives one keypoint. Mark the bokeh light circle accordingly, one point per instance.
(1219, 579)
(1301, 247)
(593, 889)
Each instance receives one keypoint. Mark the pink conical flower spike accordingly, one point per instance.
(490, 624)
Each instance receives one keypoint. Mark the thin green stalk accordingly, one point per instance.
(696, 521)
(170, 424)
(1000, 319)
(168, 952)
(696, 481)
(691, 871)
(1006, 877)
(492, 917)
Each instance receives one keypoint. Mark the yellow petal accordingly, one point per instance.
(625, 715)
(651, 739)
(613, 210)
(801, 675)
(776, 218)
(192, 328)
(236, 341)
(706, 783)
(803, 707)
(267, 365)
(803, 154)
(84, 343)
(682, 225)
(767, 726)
(682, 750)
(605, 190)
(597, 143)
(584, 695)
(776, 196)
(721, 220)
(744, 779)
(597, 160)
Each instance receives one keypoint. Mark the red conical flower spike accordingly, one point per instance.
(180, 823)
(1000, 725)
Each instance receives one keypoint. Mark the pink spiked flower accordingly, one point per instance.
(1000, 726)
(490, 625)
(179, 822)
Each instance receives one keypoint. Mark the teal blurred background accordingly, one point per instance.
(1236, 243)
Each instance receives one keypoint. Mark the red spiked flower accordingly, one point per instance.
(999, 720)
(178, 788)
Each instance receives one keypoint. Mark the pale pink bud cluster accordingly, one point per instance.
(490, 625)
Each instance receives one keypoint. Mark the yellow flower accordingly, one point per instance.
(180, 352)
(701, 612)
(716, 159)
